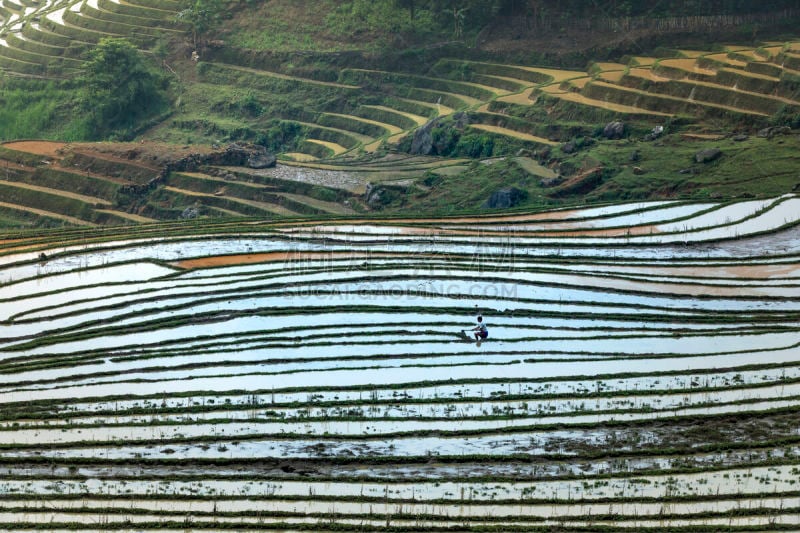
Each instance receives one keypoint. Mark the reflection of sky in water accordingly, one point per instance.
(346, 284)
(443, 351)
(351, 428)
(132, 272)
(736, 481)
(460, 392)
(546, 411)
(773, 244)
(237, 378)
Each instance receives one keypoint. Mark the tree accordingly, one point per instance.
(201, 15)
(411, 5)
(119, 87)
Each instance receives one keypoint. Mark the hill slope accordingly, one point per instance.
(345, 115)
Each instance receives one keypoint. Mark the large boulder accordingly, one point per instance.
(422, 143)
(551, 182)
(708, 155)
(190, 213)
(769, 133)
(378, 196)
(261, 159)
(505, 198)
(614, 130)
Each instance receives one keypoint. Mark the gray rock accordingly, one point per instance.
(505, 198)
(261, 160)
(190, 213)
(638, 171)
(614, 130)
(422, 143)
(654, 134)
(569, 148)
(636, 155)
(460, 120)
(741, 137)
(551, 182)
(708, 155)
(373, 196)
(769, 133)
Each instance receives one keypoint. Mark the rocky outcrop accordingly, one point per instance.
(378, 196)
(423, 144)
(261, 160)
(233, 155)
(551, 182)
(708, 155)
(769, 133)
(614, 130)
(236, 155)
(505, 198)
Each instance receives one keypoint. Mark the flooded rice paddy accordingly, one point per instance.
(631, 381)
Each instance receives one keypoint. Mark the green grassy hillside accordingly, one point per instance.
(387, 106)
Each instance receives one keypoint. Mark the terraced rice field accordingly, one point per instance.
(642, 372)
(722, 85)
(47, 39)
(36, 37)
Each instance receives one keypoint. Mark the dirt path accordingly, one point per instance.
(129, 216)
(513, 133)
(45, 148)
(42, 212)
(269, 208)
(58, 192)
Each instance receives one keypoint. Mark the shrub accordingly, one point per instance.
(120, 87)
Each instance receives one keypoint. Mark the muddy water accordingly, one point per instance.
(378, 426)
(729, 482)
(470, 509)
(578, 388)
(390, 375)
(407, 351)
(542, 409)
(99, 255)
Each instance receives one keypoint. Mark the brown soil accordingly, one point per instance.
(513, 133)
(702, 274)
(547, 215)
(73, 220)
(248, 259)
(45, 148)
(703, 136)
(464, 220)
(8, 165)
(59, 192)
(145, 153)
(563, 230)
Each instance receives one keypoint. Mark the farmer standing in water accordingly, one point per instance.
(481, 332)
